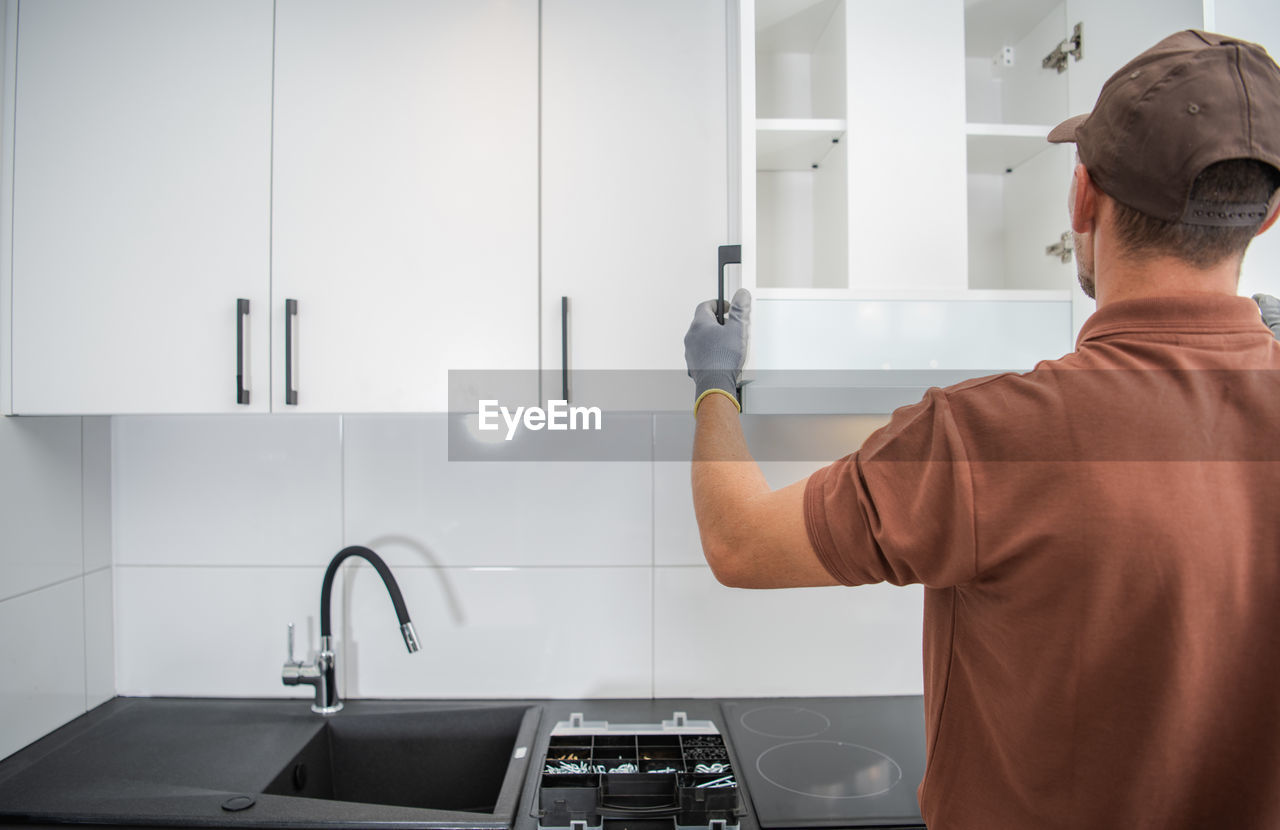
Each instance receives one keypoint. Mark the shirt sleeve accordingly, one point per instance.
(901, 508)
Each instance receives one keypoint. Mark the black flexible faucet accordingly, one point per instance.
(323, 674)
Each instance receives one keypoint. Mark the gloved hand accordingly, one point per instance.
(1270, 308)
(715, 353)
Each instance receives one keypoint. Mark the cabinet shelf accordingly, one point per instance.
(1001, 148)
(795, 143)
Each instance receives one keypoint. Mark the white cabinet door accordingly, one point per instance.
(405, 210)
(634, 184)
(140, 205)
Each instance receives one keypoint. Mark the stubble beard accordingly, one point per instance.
(1084, 265)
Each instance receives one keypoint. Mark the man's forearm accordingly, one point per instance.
(718, 438)
(752, 536)
(725, 477)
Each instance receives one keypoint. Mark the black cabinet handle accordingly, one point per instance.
(242, 313)
(729, 255)
(564, 349)
(290, 391)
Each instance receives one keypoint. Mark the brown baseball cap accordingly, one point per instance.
(1193, 99)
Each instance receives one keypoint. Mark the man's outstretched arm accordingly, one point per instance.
(752, 536)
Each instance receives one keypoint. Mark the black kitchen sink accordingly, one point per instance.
(452, 759)
(428, 765)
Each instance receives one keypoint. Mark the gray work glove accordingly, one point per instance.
(715, 353)
(1270, 308)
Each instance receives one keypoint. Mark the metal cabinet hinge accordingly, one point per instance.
(1073, 46)
(1063, 248)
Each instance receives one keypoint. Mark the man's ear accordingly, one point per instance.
(1084, 201)
(1273, 211)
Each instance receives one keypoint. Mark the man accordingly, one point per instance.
(1099, 537)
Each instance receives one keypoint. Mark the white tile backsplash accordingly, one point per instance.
(715, 641)
(524, 578)
(96, 440)
(40, 498)
(675, 528)
(414, 506)
(42, 685)
(227, 490)
(503, 632)
(212, 631)
(56, 642)
(485, 632)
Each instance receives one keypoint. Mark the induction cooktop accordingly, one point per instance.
(830, 762)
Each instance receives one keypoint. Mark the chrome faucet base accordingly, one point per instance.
(319, 674)
(326, 710)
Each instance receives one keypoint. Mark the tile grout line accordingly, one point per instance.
(112, 544)
(84, 590)
(44, 587)
(342, 481)
(345, 678)
(653, 557)
(84, 637)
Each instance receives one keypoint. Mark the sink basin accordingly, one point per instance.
(426, 765)
(455, 760)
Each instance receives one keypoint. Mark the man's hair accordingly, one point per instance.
(1204, 246)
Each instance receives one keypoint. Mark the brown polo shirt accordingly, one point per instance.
(1099, 540)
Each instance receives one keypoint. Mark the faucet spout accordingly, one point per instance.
(393, 588)
(323, 674)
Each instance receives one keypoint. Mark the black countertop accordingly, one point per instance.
(111, 760)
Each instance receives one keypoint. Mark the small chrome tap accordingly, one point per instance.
(323, 673)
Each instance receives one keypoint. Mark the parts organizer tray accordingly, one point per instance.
(674, 775)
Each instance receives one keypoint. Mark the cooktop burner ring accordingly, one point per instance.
(883, 769)
(796, 722)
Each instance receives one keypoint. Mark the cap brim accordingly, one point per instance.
(1066, 131)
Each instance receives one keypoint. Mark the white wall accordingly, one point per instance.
(55, 574)
(524, 578)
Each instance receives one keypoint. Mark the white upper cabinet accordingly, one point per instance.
(851, 146)
(347, 205)
(634, 191)
(141, 188)
(1017, 181)
(900, 206)
(405, 200)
